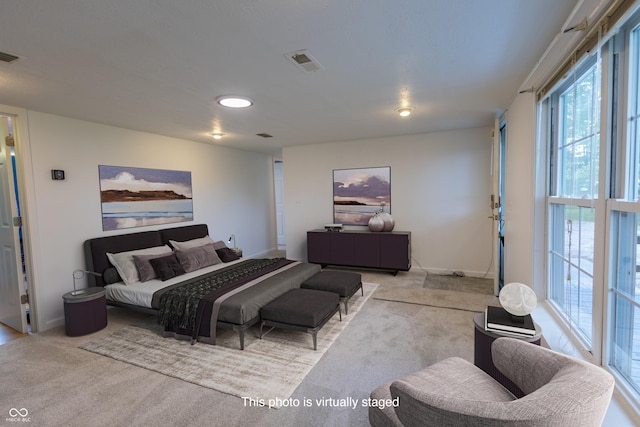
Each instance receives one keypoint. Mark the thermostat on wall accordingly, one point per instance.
(57, 174)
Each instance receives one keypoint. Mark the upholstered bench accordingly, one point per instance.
(343, 283)
(300, 310)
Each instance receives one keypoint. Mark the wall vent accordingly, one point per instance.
(8, 58)
(303, 60)
(264, 135)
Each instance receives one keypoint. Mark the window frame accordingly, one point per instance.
(590, 345)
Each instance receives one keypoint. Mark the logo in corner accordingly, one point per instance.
(18, 415)
(13, 412)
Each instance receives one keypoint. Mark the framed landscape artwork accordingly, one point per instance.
(359, 193)
(137, 197)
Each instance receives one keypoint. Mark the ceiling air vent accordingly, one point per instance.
(303, 60)
(264, 135)
(8, 58)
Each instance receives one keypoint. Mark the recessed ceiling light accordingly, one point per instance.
(217, 135)
(404, 111)
(233, 101)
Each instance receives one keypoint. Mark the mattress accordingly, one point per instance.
(140, 294)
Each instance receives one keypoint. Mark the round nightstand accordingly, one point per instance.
(482, 351)
(85, 311)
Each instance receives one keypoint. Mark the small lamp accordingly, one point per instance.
(518, 299)
(235, 249)
(79, 274)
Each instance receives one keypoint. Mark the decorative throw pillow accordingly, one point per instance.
(144, 267)
(110, 275)
(167, 267)
(219, 245)
(193, 259)
(191, 243)
(123, 261)
(227, 255)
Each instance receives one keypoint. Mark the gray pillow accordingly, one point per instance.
(219, 245)
(123, 261)
(193, 259)
(144, 267)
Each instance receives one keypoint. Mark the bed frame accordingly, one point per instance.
(96, 261)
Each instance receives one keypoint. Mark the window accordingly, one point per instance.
(624, 213)
(625, 299)
(574, 168)
(593, 204)
(632, 185)
(571, 258)
(580, 136)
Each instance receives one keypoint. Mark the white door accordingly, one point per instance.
(12, 312)
(279, 190)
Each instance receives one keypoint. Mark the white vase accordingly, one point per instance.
(376, 223)
(388, 221)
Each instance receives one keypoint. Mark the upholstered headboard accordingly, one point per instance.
(96, 249)
(182, 234)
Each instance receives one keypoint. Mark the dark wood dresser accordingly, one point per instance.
(354, 248)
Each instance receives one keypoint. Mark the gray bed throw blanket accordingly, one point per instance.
(187, 307)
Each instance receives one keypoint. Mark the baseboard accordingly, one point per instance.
(449, 272)
(268, 253)
(52, 324)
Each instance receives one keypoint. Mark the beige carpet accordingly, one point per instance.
(268, 369)
(445, 291)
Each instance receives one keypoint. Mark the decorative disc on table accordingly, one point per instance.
(518, 299)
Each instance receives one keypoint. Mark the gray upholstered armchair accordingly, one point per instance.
(559, 391)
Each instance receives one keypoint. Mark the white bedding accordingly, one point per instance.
(141, 293)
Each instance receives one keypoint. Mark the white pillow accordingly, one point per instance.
(181, 246)
(123, 261)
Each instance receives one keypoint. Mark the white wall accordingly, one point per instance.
(440, 187)
(519, 191)
(232, 193)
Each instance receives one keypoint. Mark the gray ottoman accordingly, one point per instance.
(343, 283)
(300, 310)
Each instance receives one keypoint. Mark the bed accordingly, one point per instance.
(192, 305)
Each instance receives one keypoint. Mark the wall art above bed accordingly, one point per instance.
(359, 193)
(138, 197)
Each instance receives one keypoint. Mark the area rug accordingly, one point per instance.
(267, 370)
(445, 291)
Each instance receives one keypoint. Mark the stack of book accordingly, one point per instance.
(499, 320)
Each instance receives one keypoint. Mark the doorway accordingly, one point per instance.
(279, 196)
(14, 307)
(497, 202)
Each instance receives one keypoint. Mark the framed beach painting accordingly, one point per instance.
(359, 193)
(137, 197)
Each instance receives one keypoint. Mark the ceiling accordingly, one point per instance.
(158, 65)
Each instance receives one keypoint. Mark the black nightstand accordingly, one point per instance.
(85, 312)
(482, 351)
